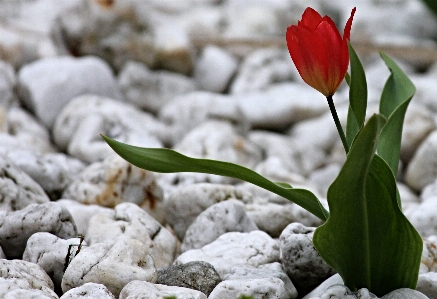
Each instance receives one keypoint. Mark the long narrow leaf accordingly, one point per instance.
(167, 161)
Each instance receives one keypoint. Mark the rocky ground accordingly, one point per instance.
(211, 79)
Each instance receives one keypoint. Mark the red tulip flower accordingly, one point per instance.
(320, 54)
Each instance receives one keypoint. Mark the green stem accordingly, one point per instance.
(337, 123)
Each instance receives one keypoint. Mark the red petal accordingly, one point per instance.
(310, 18)
(348, 26)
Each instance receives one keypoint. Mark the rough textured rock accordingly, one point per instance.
(144, 289)
(128, 221)
(17, 189)
(47, 85)
(50, 252)
(111, 264)
(427, 284)
(220, 218)
(185, 203)
(230, 249)
(404, 294)
(115, 181)
(151, 90)
(78, 127)
(16, 227)
(89, 290)
(300, 259)
(18, 275)
(197, 275)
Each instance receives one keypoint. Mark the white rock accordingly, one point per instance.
(20, 130)
(82, 213)
(185, 203)
(17, 274)
(421, 169)
(128, 221)
(17, 189)
(422, 216)
(151, 90)
(300, 259)
(320, 289)
(186, 112)
(78, 127)
(52, 171)
(324, 177)
(50, 252)
(342, 292)
(261, 68)
(427, 284)
(254, 248)
(114, 181)
(8, 82)
(280, 105)
(28, 294)
(16, 227)
(220, 218)
(404, 294)
(214, 69)
(47, 85)
(111, 264)
(144, 289)
(89, 290)
(428, 262)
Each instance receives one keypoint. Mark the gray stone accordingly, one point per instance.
(427, 284)
(404, 294)
(318, 291)
(185, 203)
(111, 264)
(17, 189)
(47, 85)
(423, 216)
(428, 261)
(50, 253)
(196, 275)
(89, 290)
(214, 69)
(128, 221)
(234, 248)
(300, 259)
(342, 292)
(52, 171)
(8, 82)
(21, 275)
(78, 127)
(115, 181)
(144, 289)
(220, 218)
(28, 294)
(82, 213)
(151, 90)
(17, 227)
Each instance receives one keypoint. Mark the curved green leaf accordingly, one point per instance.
(367, 239)
(397, 94)
(166, 160)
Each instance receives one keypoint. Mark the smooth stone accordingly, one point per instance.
(144, 289)
(404, 294)
(220, 218)
(423, 216)
(151, 90)
(89, 290)
(128, 221)
(185, 203)
(78, 127)
(214, 69)
(280, 105)
(8, 81)
(82, 213)
(261, 68)
(425, 91)
(17, 189)
(28, 294)
(17, 274)
(324, 177)
(17, 227)
(427, 284)
(49, 84)
(111, 264)
(343, 292)
(428, 262)
(52, 171)
(20, 130)
(185, 112)
(300, 259)
(113, 181)
(254, 248)
(321, 288)
(197, 275)
(50, 252)
(420, 171)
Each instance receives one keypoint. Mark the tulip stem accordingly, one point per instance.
(337, 123)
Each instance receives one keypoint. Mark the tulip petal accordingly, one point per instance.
(310, 18)
(348, 26)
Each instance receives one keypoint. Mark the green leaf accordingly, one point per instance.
(166, 160)
(432, 5)
(396, 95)
(357, 96)
(367, 239)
